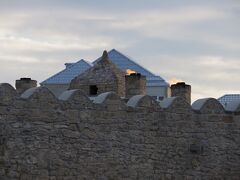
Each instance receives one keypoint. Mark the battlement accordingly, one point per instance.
(108, 137)
(77, 97)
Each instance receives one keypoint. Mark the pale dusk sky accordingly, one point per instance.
(194, 41)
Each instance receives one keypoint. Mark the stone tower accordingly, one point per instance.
(102, 77)
(25, 83)
(182, 90)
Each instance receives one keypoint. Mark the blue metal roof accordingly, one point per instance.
(71, 71)
(123, 62)
(120, 60)
(227, 98)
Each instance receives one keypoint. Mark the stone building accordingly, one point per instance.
(104, 76)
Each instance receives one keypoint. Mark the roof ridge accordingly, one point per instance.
(235, 94)
(75, 62)
(66, 69)
(88, 62)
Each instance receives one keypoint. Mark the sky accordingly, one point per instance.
(189, 40)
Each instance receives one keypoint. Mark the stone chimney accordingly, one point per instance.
(182, 90)
(135, 84)
(25, 83)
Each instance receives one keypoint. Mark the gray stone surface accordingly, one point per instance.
(208, 105)
(104, 75)
(167, 102)
(29, 92)
(7, 93)
(133, 101)
(135, 85)
(102, 97)
(42, 137)
(181, 90)
(25, 83)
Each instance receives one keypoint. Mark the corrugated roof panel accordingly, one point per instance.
(224, 100)
(71, 71)
(123, 62)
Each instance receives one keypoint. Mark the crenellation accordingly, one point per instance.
(111, 101)
(7, 94)
(76, 96)
(143, 101)
(208, 106)
(39, 98)
(105, 97)
(75, 99)
(176, 105)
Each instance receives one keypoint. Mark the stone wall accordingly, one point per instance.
(72, 137)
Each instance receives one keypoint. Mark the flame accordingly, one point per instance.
(174, 81)
(129, 72)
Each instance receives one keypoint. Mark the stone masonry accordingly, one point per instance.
(25, 83)
(73, 137)
(135, 84)
(102, 77)
(182, 90)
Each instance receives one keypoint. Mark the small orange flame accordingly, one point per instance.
(174, 81)
(129, 72)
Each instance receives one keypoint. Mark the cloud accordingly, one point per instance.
(197, 42)
(167, 17)
(26, 44)
(210, 76)
(218, 62)
(86, 29)
(198, 24)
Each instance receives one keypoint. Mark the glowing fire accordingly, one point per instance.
(129, 72)
(174, 81)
